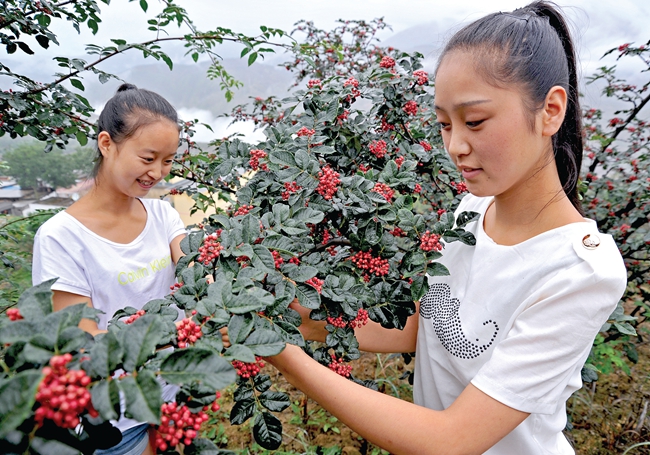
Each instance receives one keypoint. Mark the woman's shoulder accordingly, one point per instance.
(159, 208)
(61, 224)
(598, 250)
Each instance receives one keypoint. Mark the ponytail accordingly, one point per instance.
(532, 47)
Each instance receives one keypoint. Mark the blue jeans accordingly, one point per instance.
(134, 441)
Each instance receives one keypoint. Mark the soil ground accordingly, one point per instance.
(608, 416)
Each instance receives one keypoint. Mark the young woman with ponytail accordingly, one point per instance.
(500, 343)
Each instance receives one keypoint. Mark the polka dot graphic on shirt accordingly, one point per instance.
(442, 309)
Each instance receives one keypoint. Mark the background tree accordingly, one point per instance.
(34, 169)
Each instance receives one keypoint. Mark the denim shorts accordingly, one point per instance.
(134, 441)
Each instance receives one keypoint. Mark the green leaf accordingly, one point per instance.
(303, 273)
(92, 25)
(143, 396)
(143, 5)
(105, 355)
(262, 258)
(466, 217)
(251, 58)
(185, 366)
(17, 396)
(242, 411)
(275, 401)
(76, 83)
(418, 287)
(437, 269)
(625, 328)
(241, 353)
(106, 399)
(36, 302)
(308, 297)
(250, 299)
(239, 327)
(265, 342)
(81, 138)
(267, 430)
(140, 340)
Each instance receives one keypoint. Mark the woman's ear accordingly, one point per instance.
(104, 142)
(554, 110)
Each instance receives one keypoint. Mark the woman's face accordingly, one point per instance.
(135, 165)
(486, 130)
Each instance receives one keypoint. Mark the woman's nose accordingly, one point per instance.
(456, 144)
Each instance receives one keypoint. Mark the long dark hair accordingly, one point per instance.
(128, 110)
(532, 47)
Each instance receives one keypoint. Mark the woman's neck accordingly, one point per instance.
(539, 207)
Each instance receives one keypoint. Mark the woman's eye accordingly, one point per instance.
(443, 125)
(474, 124)
(147, 159)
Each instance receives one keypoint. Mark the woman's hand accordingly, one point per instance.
(311, 330)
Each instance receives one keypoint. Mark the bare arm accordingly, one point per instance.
(372, 337)
(175, 246)
(62, 299)
(396, 425)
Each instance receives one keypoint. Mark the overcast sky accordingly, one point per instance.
(598, 24)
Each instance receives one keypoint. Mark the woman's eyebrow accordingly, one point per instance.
(463, 104)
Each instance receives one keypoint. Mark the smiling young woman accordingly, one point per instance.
(501, 341)
(111, 248)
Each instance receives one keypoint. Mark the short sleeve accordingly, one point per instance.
(55, 258)
(173, 222)
(538, 363)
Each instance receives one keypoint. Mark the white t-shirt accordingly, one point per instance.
(517, 322)
(113, 275)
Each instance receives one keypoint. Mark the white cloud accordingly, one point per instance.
(220, 125)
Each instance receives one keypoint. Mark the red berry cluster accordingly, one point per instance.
(134, 317)
(363, 168)
(355, 87)
(378, 148)
(387, 62)
(14, 314)
(328, 181)
(421, 76)
(175, 286)
(314, 83)
(440, 211)
(385, 126)
(384, 190)
(210, 249)
(326, 236)
(411, 107)
(289, 189)
(337, 322)
(417, 189)
(174, 191)
(62, 395)
(187, 332)
(248, 370)
(277, 258)
(304, 131)
(360, 320)
(426, 146)
(316, 283)
(256, 155)
(342, 117)
(179, 425)
(429, 242)
(243, 210)
(294, 260)
(399, 161)
(337, 366)
(461, 187)
(398, 232)
(366, 261)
